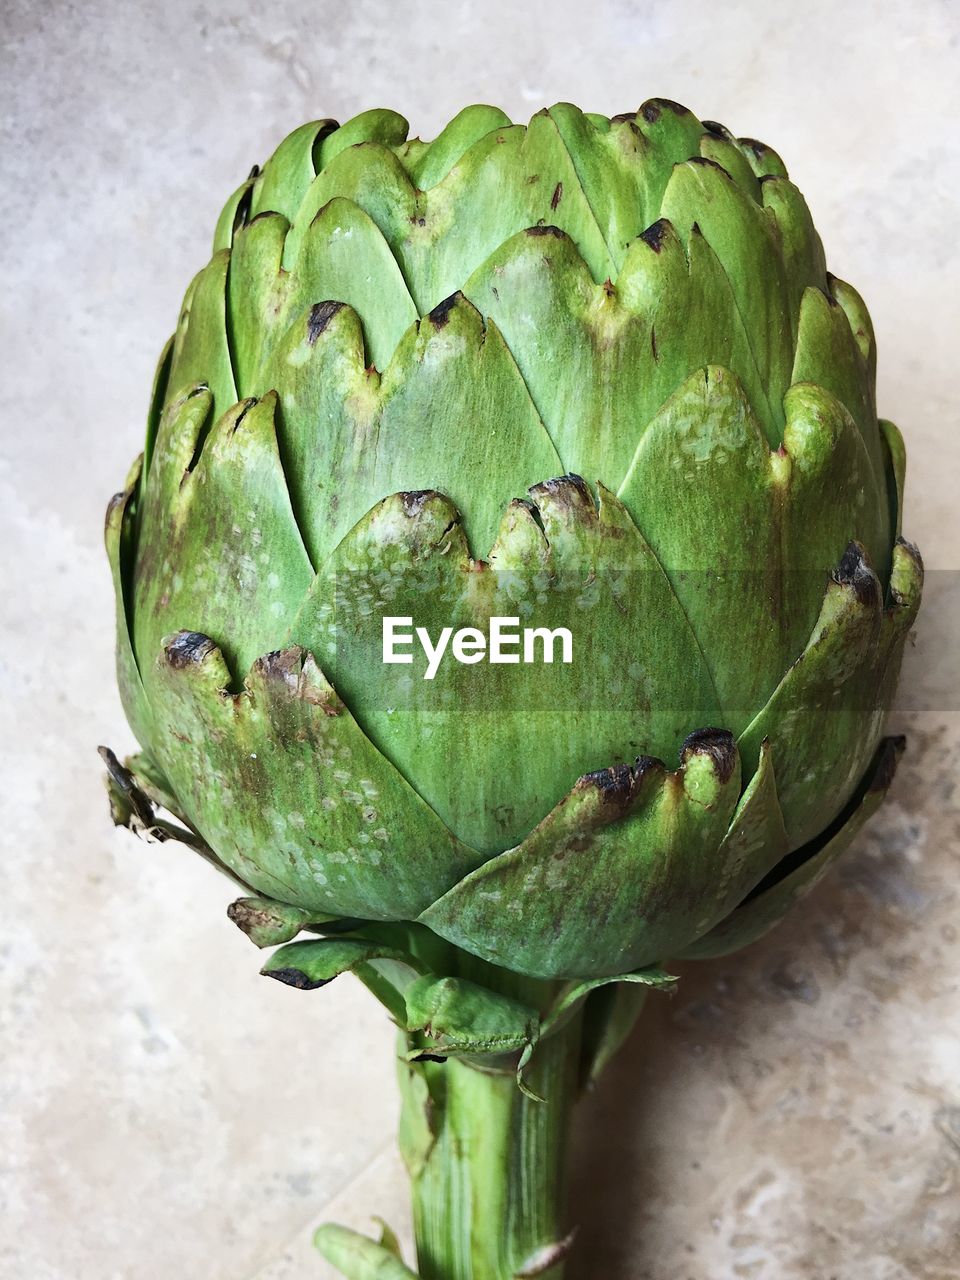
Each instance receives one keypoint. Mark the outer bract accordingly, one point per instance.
(381, 397)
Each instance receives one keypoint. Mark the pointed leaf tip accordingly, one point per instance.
(546, 1257)
(718, 744)
(129, 807)
(187, 649)
(267, 923)
(319, 316)
(854, 571)
(309, 965)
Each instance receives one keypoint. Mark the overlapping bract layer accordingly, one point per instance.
(402, 357)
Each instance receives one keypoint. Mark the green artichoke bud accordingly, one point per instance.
(589, 375)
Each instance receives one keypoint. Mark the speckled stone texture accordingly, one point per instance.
(794, 1112)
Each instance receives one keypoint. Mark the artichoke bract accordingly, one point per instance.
(586, 375)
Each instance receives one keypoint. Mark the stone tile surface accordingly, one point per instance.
(794, 1112)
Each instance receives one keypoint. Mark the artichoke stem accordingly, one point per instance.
(487, 1163)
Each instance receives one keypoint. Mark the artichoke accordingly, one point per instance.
(575, 413)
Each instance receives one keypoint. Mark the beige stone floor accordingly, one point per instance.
(793, 1112)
